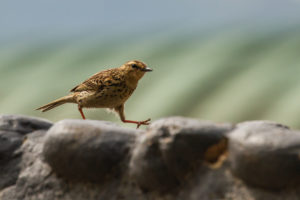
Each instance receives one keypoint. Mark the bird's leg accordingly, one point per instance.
(120, 111)
(80, 110)
(139, 123)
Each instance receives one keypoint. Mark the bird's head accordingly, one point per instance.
(135, 69)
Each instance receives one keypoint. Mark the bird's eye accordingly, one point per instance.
(135, 66)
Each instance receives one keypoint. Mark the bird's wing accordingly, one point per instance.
(98, 81)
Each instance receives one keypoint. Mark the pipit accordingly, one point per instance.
(106, 89)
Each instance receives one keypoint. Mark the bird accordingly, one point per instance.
(110, 89)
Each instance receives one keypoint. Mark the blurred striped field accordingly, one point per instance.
(224, 76)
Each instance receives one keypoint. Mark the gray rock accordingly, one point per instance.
(265, 154)
(32, 179)
(22, 124)
(88, 150)
(12, 134)
(13, 128)
(174, 147)
(9, 157)
(9, 142)
(177, 156)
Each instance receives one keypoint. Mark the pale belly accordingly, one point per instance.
(105, 99)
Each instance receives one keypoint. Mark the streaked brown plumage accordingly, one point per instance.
(106, 89)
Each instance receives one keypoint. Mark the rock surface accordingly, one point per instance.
(174, 158)
(265, 154)
(174, 147)
(87, 150)
(13, 130)
(23, 124)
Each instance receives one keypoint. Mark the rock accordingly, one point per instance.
(34, 173)
(265, 154)
(9, 159)
(9, 142)
(87, 150)
(12, 134)
(176, 158)
(22, 124)
(208, 184)
(12, 131)
(172, 148)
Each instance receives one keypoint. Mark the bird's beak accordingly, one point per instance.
(147, 69)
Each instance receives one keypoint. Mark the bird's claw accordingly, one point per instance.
(146, 122)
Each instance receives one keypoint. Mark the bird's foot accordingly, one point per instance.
(139, 123)
(145, 122)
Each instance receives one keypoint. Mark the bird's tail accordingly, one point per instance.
(66, 99)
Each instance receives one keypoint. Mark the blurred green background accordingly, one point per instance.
(226, 62)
